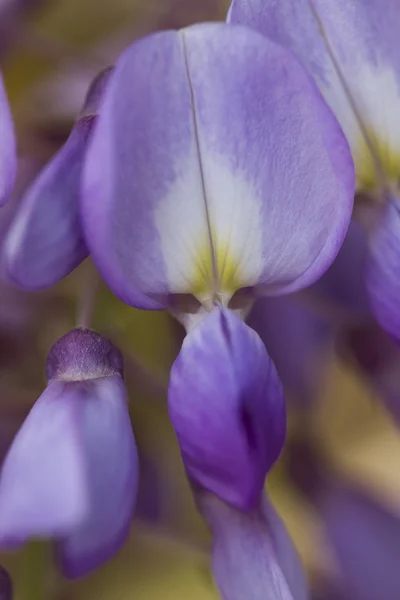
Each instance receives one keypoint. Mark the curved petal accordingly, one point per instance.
(383, 270)
(366, 539)
(224, 169)
(42, 481)
(45, 241)
(351, 49)
(111, 467)
(8, 153)
(245, 560)
(227, 407)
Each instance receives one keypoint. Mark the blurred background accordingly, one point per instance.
(49, 52)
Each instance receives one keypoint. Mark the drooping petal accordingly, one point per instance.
(8, 154)
(366, 539)
(92, 366)
(111, 468)
(351, 50)
(225, 169)
(42, 482)
(298, 340)
(227, 407)
(246, 563)
(383, 269)
(45, 241)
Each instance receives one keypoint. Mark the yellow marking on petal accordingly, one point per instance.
(217, 273)
(389, 158)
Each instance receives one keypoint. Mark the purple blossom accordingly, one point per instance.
(71, 471)
(351, 49)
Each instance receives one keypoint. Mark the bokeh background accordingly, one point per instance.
(49, 53)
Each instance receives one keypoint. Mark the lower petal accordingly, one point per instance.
(227, 407)
(112, 477)
(246, 561)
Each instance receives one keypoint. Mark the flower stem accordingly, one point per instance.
(32, 582)
(87, 296)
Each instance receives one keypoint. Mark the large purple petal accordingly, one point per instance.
(351, 49)
(111, 468)
(222, 170)
(246, 563)
(8, 154)
(366, 539)
(42, 483)
(227, 407)
(383, 269)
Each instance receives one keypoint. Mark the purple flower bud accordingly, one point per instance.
(71, 472)
(8, 156)
(227, 407)
(6, 587)
(45, 241)
(253, 556)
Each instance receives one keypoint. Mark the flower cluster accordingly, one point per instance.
(213, 172)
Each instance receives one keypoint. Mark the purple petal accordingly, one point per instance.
(246, 563)
(203, 195)
(227, 407)
(8, 153)
(383, 270)
(45, 241)
(366, 539)
(42, 482)
(298, 340)
(111, 467)
(351, 49)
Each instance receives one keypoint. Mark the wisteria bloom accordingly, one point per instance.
(221, 177)
(8, 158)
(71, 472)
(351, 49)
(45, 241)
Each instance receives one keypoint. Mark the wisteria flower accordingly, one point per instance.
(222, 176)
(71, 472)
(351, 49)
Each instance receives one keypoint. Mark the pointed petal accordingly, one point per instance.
(243, 177)
(112, 475)
(245, 561)
(227, 407)
(383, 270)
(366, 539)
(42, 482)
(8, 154)
(45, 241)
(351, 49)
